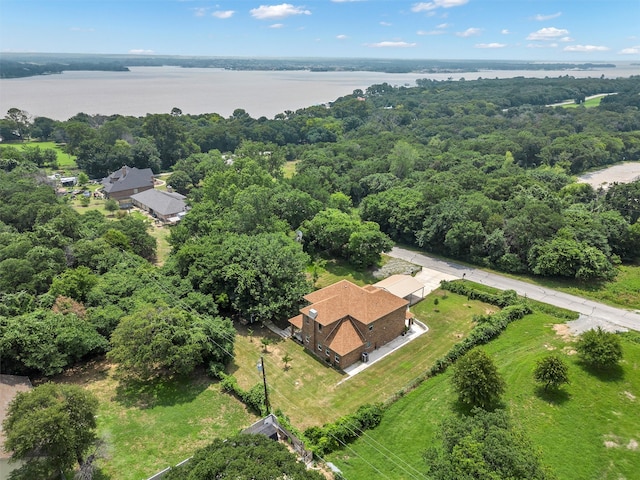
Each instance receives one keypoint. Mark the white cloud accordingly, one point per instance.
(469, 32)
(630, 51)
(585, 48)
(490, 45)
(140, 51)
(277, 25)
(385, 24)
(443, 26)
(391, 45)
(548, 33)
(543, 18)
(430, 32)
(427, 6)
(542, 45)
(268, 12)
(505, 31)
(341, 37)
(566, 39)
(200, 12)
(223, 14)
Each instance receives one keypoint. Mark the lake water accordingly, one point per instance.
(203, 90)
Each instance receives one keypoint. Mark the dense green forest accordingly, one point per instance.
(476, 170)
(15, 65)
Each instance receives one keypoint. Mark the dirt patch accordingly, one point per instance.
(611, 441)
(549, 347)
(569, 351)
(632, 445)
(630, 395)
(563, 331)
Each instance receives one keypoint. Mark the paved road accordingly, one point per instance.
(590, 311)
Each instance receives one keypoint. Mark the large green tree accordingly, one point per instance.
(243, 457)
(477, 380)
(260, 276)
(160, 341)
(599, 348)
(45, 342)
(551, 371)
(51, 428)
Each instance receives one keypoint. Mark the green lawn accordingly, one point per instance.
(150, 428)
(66, 162)
(290, 168)
(592, 102)
(570, 429)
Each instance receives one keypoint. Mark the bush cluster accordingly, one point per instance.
(252, 398)
(502, 299)
(332, 436)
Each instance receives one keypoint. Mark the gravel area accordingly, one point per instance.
(621, 173)
(584, 323)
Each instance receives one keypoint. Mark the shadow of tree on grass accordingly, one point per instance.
(160, 392)
(614, 373)
(555, 396)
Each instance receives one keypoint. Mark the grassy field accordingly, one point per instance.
(149, 428)
(290, 168)
(588, 431)
(66, 162)
(590, 103)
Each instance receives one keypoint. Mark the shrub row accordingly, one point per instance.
(502, 299)
(332, 436)
(491, 327)
(252, 398)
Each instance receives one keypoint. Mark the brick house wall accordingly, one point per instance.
(126, 194)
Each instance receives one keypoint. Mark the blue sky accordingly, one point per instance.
(572, 30)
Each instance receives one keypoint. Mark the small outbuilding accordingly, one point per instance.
(403, 286)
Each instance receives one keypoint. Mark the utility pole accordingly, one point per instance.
(260, 366)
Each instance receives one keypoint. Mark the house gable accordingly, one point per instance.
(127, 181)
(344, 321)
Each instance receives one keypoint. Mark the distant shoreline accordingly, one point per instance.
(22, 65)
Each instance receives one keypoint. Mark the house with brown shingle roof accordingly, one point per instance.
(344, 322)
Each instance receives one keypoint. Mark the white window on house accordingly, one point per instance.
(327, 352)
(319, 327)
(370, 327)
(320, 346)
(368, 344)
(306, 320)
(337, 358)
(306, 338)
(135, 190)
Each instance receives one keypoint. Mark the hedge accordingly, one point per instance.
(332, 436)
